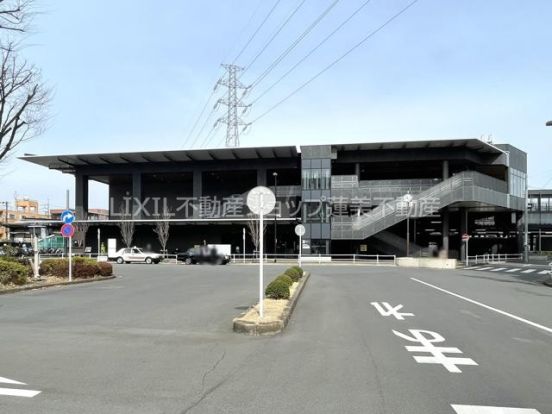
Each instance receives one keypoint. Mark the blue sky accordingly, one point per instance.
(133, 75)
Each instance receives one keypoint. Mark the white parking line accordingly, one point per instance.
(13, 392)
(529, 271)
(472, 267)
(480, 409)
(484, 268)
(543, 272)
(10, 381)
(517, 318)
(498, 269)
(513, 270)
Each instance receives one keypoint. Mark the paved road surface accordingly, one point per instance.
(159, 340)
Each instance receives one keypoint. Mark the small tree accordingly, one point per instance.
(253, 226)
(126, 225)
(162, 228)
(81, 228)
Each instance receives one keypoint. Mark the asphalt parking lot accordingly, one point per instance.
(158, 339)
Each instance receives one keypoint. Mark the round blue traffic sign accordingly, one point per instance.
(67, 230)
(67, 216)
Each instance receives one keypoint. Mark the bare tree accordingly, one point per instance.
(162, 228)
(126, 225)
(24, 98)
(15, 15)
(253, 226)
(81, 228)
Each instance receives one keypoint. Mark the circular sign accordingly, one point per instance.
(67, 230)
(300, 230)
(465, 237)
(261, 200)
(67, 216)
(407, 198)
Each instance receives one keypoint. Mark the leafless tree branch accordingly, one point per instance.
(24, 98)
(126, 227)
(162, 228)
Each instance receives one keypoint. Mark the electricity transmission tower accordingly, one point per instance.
(232, 102)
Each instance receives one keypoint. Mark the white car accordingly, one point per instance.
(136, 255)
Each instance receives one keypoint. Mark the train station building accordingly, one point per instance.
(352, 198)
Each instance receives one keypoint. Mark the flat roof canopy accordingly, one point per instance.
(70, 162)
(469, 143)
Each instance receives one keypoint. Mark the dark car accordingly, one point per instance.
(201, 255)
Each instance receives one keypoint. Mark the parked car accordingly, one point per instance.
(136, 255)
(203, 254)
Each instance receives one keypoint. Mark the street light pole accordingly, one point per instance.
(407, 199)
(275, 175)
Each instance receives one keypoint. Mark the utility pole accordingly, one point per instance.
(232, 102)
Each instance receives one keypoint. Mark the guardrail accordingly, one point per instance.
(376, 259)
(495, 258)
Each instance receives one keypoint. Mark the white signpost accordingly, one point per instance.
(243, 239)
(300, 231)
(466, 239)
(261, 201)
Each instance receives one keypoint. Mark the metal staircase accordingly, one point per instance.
(467, 186)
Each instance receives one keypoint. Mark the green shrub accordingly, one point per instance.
(83, 267)
(84, 260)
(277, 289)
(106, 269)
(294, 274)
(13, 272)
(22, 261)
(298, 270)
(85, 270)
(285, 278)
(55, 267)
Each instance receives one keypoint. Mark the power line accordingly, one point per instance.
(257, 31)
(203, 126)
(286, 21)
(294, 44)
(339, 27)
(328, 67)
(197, 120)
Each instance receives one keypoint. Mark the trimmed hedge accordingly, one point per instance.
(83, 267)
(106, 269)
(277, 289)
(285, 278)
(13, 272)
(294, 274)
(298, 270)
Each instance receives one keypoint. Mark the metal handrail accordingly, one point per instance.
(340, 257)
(495, 258)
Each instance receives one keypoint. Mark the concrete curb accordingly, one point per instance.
(274, 327)
(74, 282)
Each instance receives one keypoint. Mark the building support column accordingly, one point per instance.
(445, 218)
(197, 193)
(261, 176)
(81, 196)
(463, 230)
(445, 215)
(357, 170)
(136, 195)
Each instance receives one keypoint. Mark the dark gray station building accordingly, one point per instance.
(352, 198)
